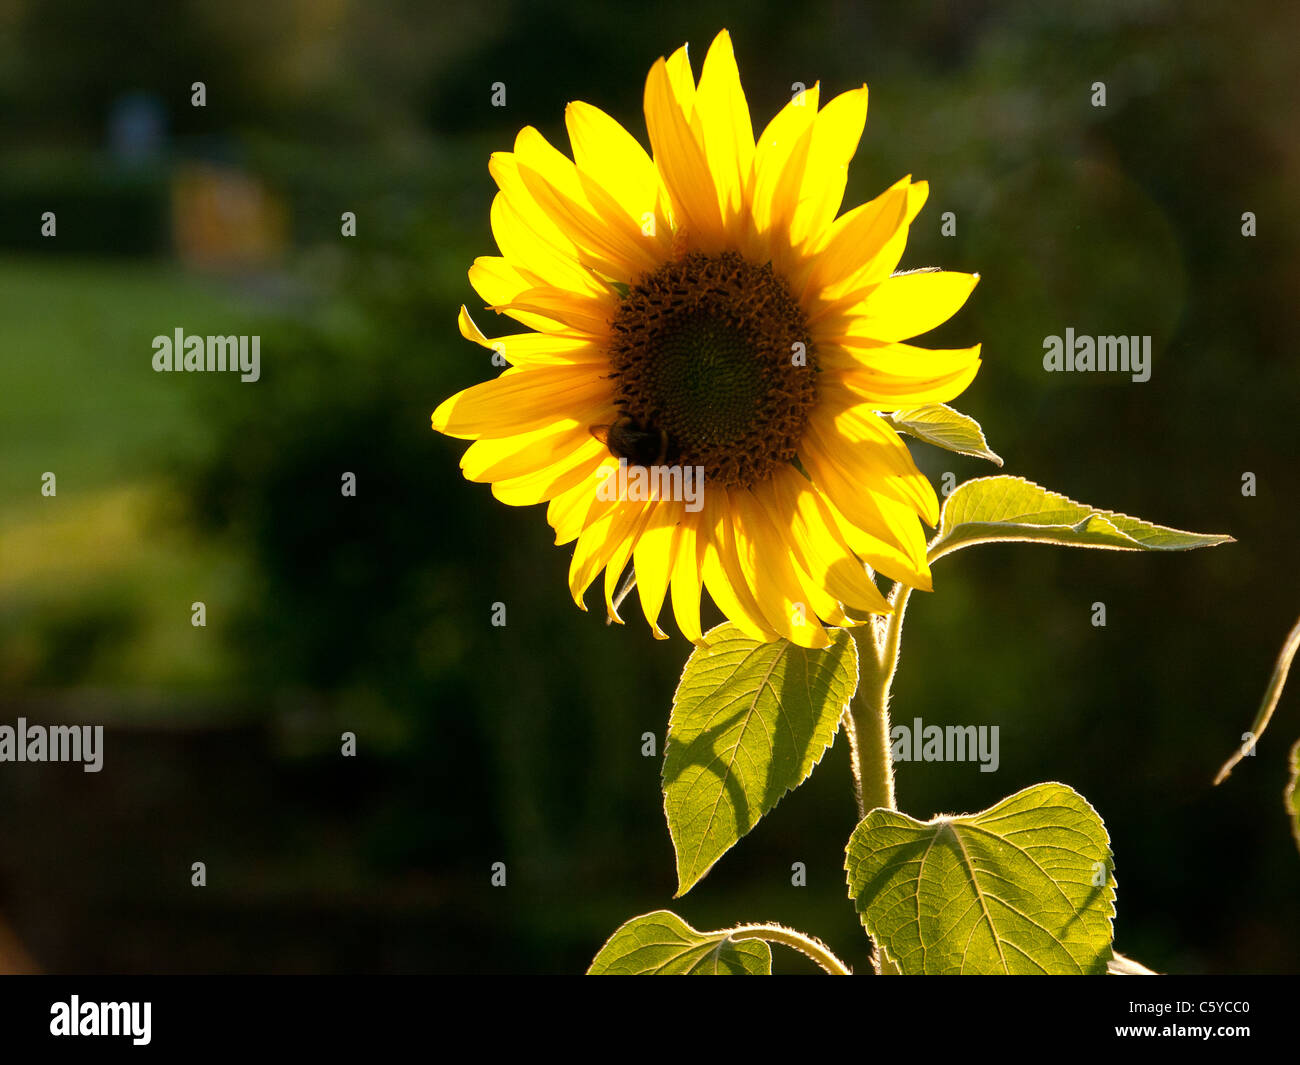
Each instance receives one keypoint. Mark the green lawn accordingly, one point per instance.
(95, 583)
(81, 395)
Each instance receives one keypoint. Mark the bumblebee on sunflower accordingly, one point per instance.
(704, 306)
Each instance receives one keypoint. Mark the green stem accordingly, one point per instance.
(1271, 696)
(850, 728)
(877, 663)
(873, 763)
(807, 945)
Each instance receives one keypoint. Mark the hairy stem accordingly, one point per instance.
(877, 663)
(873, 763)
(855, 758)
(807, 945)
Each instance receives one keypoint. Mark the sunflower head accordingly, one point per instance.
(706, 308)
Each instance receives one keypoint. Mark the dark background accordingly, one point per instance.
(522, 744)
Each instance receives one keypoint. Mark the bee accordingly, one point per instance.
(641, 445)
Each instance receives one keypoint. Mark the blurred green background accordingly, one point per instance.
(522, 744)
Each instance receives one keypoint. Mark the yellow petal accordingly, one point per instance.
(870, 453)
(535, 349)
(852, 246)
(852, 288)
(653, 560)
(586, 214)
(688, 566)
(503, 458)
(779, 160)
(682, 83)
(498, 281)
(679, 157)
(883, 554)
(901, 307)
(835, 136)
(546, 264)
(577, 315)
(523, 399)
(822, 603)
(892, 376)
(917, 193)
(609, 156)
(820, 548)
(504, 168)
(619, 559)
(723, 575)
(727, 133)
(873, 512)
(765, 560)
(598, 544)
(570, 512)
(526, 490)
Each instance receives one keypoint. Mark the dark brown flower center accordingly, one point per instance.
(714, 352)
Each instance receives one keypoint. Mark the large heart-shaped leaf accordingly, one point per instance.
(1023, 887)
(749, 722)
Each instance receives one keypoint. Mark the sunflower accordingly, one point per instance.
(704, 308)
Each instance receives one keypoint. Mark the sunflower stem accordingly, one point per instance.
(855, 758)
(870, 748)
(810, 946)
(877, 663)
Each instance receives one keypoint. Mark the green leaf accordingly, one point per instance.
(938, 424)
(1009, 890)
(1281, 668)
(662, 944)
(749, 722)
(993, 509)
